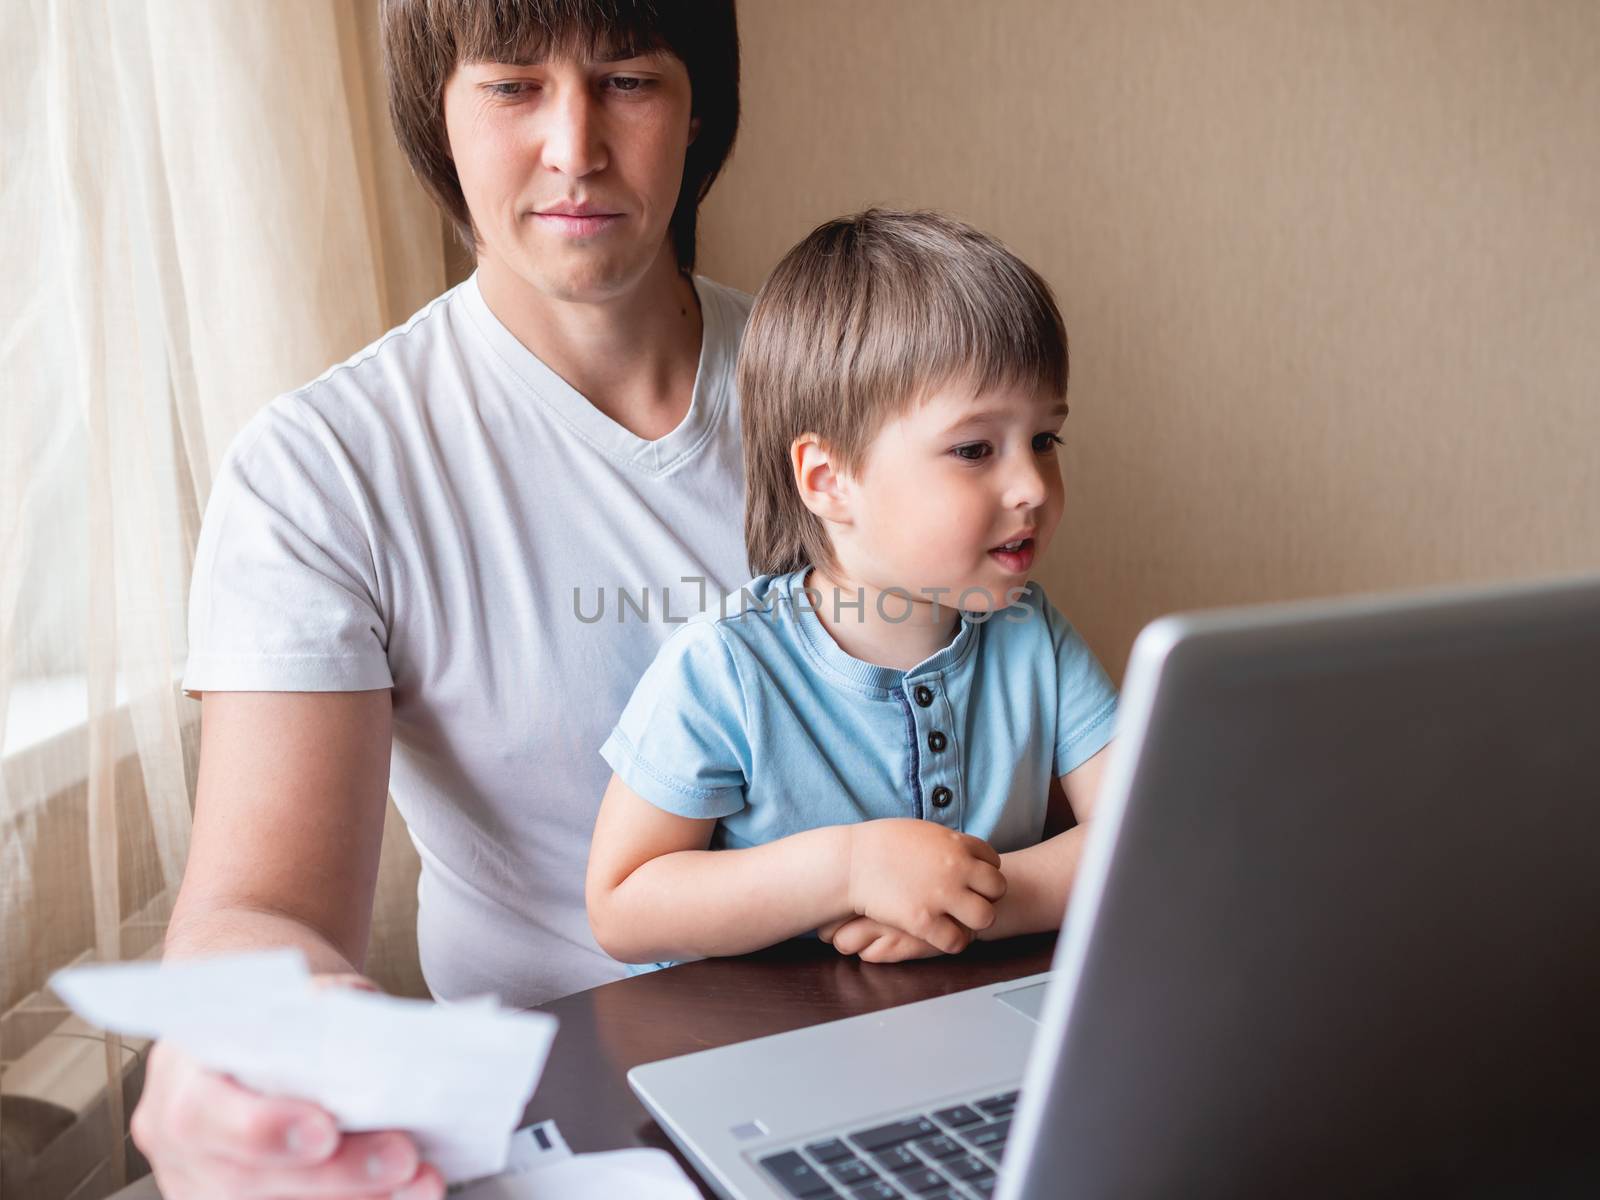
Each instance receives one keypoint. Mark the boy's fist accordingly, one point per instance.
(933, 883)
(875, 943)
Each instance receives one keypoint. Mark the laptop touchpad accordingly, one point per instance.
(1026, 1000)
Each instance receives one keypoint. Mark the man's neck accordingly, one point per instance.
(634, 357)
(873, 633)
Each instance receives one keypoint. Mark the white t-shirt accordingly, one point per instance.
(444, 515)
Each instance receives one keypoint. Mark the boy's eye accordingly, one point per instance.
(1047, 442)
(629, 83)
(972, 452)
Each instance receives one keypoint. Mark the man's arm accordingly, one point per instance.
(288, 826)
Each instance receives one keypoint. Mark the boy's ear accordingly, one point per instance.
(824, 488)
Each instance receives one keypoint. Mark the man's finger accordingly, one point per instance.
(368, 1164)
(347, 979)
(216, 1116)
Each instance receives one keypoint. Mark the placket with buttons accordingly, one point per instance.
(933, 729)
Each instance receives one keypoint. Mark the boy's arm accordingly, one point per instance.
(1039, 878)
(655, 892)
(1037, 881)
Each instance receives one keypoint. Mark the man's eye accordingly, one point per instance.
(1046, 442)
(973, 452)
(509, 89)
(628, 83)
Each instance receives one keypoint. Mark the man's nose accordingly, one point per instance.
(574, 142)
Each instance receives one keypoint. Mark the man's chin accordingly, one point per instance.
(575, 277)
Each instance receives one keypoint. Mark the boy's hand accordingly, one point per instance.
(875, 942)
(933, 883)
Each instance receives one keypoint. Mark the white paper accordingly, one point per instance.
(637, 1174)
(535, 1146)
(640, 1174)
(456, 1077)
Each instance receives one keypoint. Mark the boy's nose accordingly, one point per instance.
(572, 142)
(1026, 486)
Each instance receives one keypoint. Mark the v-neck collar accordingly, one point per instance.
(655, 457)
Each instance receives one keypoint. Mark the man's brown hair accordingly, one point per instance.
(425, 40)
(867, 316)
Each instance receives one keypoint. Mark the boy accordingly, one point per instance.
(866, 746)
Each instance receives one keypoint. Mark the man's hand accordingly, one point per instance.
(875, 942)
(922, 879)
(208, 1138)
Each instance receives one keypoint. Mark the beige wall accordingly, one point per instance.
(1331, 270)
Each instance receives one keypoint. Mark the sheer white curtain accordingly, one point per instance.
(202, 206)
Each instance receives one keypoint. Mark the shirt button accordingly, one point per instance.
(924, 695)
(942, 797)
(936, 741)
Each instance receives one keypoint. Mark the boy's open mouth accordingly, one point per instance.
(1014, 556)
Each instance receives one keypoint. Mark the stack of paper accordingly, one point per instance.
(456, 1077)
(542, 1168)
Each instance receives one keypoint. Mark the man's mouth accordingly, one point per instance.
(576, 218)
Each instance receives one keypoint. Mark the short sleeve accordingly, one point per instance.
(1086, 702)
(285, 594)
(682, 740)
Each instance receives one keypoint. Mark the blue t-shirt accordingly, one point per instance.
(756, 717)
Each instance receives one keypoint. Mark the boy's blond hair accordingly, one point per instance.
(868, 315)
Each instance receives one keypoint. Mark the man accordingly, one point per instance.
(400, 562)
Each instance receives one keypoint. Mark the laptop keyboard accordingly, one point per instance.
(949, 1153)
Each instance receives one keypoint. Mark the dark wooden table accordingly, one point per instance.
(608, 1030)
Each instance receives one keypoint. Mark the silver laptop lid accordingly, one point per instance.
(1337, 930)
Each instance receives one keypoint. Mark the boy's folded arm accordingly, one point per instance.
(1039, 878)
(656, 892)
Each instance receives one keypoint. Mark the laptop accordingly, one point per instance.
(1336, 932)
